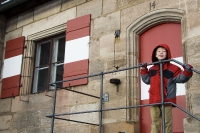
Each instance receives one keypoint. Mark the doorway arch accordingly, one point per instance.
(134, 30)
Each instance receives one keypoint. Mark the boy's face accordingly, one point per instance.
(161, 53)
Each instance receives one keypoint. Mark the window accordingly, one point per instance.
(49, 62)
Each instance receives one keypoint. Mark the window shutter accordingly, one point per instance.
(12, 67)
(27, 67)
(77, 50)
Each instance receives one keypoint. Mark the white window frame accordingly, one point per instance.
(53, 64)
(54, 61)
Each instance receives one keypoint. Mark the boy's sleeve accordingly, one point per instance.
(145, 75)
(187, 70)
(182, 76)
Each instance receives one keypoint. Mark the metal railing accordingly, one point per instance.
(55, 116)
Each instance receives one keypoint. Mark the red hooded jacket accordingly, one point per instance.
(172, 74)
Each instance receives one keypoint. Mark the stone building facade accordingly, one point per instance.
(27, 111)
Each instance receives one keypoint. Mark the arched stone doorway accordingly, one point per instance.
(134, 30)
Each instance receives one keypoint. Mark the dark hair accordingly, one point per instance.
(154, 59)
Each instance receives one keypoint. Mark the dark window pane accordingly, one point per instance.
(61, 49)
(44, 54)
(49, 53)
(42, 79)
(59, 74)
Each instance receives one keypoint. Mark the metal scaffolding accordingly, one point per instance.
(55, 116)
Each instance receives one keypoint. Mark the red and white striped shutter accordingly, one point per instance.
(12, 67)
(77, 50)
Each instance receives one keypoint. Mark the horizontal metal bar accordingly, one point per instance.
(127, 107)
(108, 109)
(183, 110)
(93, 75)
(152, 105)
(180, 63)
(76, 121)
(83, 112)
(102, 73)
(183, 64)
(82, 93)
(59, 87)
(123, 69)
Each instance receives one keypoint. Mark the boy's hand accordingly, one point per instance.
(187, 67)
(143, 65)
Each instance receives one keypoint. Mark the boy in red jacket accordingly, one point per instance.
(172, 74)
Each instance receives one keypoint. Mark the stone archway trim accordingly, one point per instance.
(134, 30)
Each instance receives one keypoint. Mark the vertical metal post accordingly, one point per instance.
(53, 109)
(162, 96)
(101, 99)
